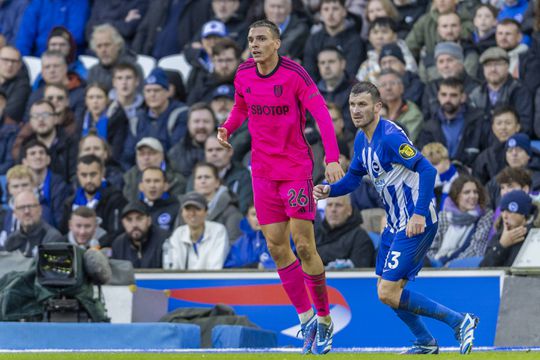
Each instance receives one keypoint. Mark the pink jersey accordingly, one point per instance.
(276, 105)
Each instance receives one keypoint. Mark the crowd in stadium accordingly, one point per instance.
(108, 157)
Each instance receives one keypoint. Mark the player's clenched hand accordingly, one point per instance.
(416, 225)
(321, 192)
(333, 172)
(223, 137)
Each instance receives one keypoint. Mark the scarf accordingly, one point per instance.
(81, 200)
(101, 125)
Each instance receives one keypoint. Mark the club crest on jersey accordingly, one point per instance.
(375, 167)
(407, 151)
(278, 90)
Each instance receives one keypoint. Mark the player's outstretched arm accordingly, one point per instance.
(223, 137)
(321, 192)
(333, 172)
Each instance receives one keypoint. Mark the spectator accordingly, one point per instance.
(517, 220)
(335, 84)
(513, 10)
(228, 13)
(233, 175)
(13, 83)
(162, 207)
(424, 31)
(382, 31)
(52, 189)
(409, 13)
(93, 144)
(11, 13)
(447, 172)
(33, 230)
(508, 37)
(163, 119)
(405, 113)
(199, 54)
(61, 40)
(110, 49)
(222, 206)
(142, 242)
(108, 122)
(342, 136)
(8, 134)
(124, 15)
(149, 153)
(337, 31)
(519, 154)
(41, 16)
(375, 9)
(54, 71)
(177, 90)
(43, 127)
(190, 150)
(490, 161)
(198, 245)
(455, 124)
(449, 31)
(340, 238)
(392, 58)
(58, 95)
(169, 25)
(225, 59)
(250, 249)
(485, 22)
(294, 29)
(84, 231)
(97, 194)
(125, 92)
(501, 89)
(449, 63)
(18, 179)
(464, 223)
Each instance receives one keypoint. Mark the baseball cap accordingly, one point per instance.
(214, 28)
(517, 201)
(157, 77)
(195, 199)
(494, 53)
(394, 50)
(135, 207)
(223, 91)
(150, 142)
(519, 140)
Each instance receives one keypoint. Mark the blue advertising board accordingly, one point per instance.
(360, 319)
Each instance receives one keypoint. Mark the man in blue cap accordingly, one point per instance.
(516, 221)
(160, 118)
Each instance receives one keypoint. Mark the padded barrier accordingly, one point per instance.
(93, 336)
(235, 336)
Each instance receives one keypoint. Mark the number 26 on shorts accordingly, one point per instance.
(297, 199)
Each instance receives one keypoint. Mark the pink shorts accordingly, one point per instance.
(280, 200)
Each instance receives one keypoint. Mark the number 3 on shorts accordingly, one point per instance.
(394, 262)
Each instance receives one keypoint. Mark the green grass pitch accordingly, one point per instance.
(266, 356)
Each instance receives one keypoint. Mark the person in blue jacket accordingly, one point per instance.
(42, 15)
(11, 12)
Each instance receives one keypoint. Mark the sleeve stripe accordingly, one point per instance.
(307, 80)
(299, 69)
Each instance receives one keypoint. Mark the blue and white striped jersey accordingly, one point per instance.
(389, 160)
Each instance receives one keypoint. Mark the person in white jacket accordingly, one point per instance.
(198, 245)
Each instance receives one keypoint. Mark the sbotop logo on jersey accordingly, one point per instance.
(269, 109)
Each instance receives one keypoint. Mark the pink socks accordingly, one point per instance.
(317, 289)
(292, 279)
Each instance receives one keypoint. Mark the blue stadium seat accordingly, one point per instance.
(470, 262)
(536, 145)
(236, 336)
(375, 238)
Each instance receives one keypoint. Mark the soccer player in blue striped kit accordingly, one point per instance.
(405, 180)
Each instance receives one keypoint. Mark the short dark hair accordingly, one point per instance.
(226, 44)
(154, 168)
(390, 72)
(367, 87)
(33, 143)
(337, 49)
(267, 24)
(509, 175)
(60, 87)
(46, 102)
(90, 159)
(201, 106)
(452, 82)
(494, 11)
(510, 21)
(341, 2)
(99, 86)
(212, 167)
(383, 22)
(125, 66)
(505, 109)
(84, 212)
(459, 183)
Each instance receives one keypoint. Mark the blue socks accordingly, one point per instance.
(417, 327)
(419, 304)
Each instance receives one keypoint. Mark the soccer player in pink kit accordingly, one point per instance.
(275, 92)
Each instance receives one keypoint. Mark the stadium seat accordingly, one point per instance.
(470, 262)
(236, 336)
(33, 64)
(536, 145)
(375, 238)
(147, 63)
(88, 61)
(177, 63)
